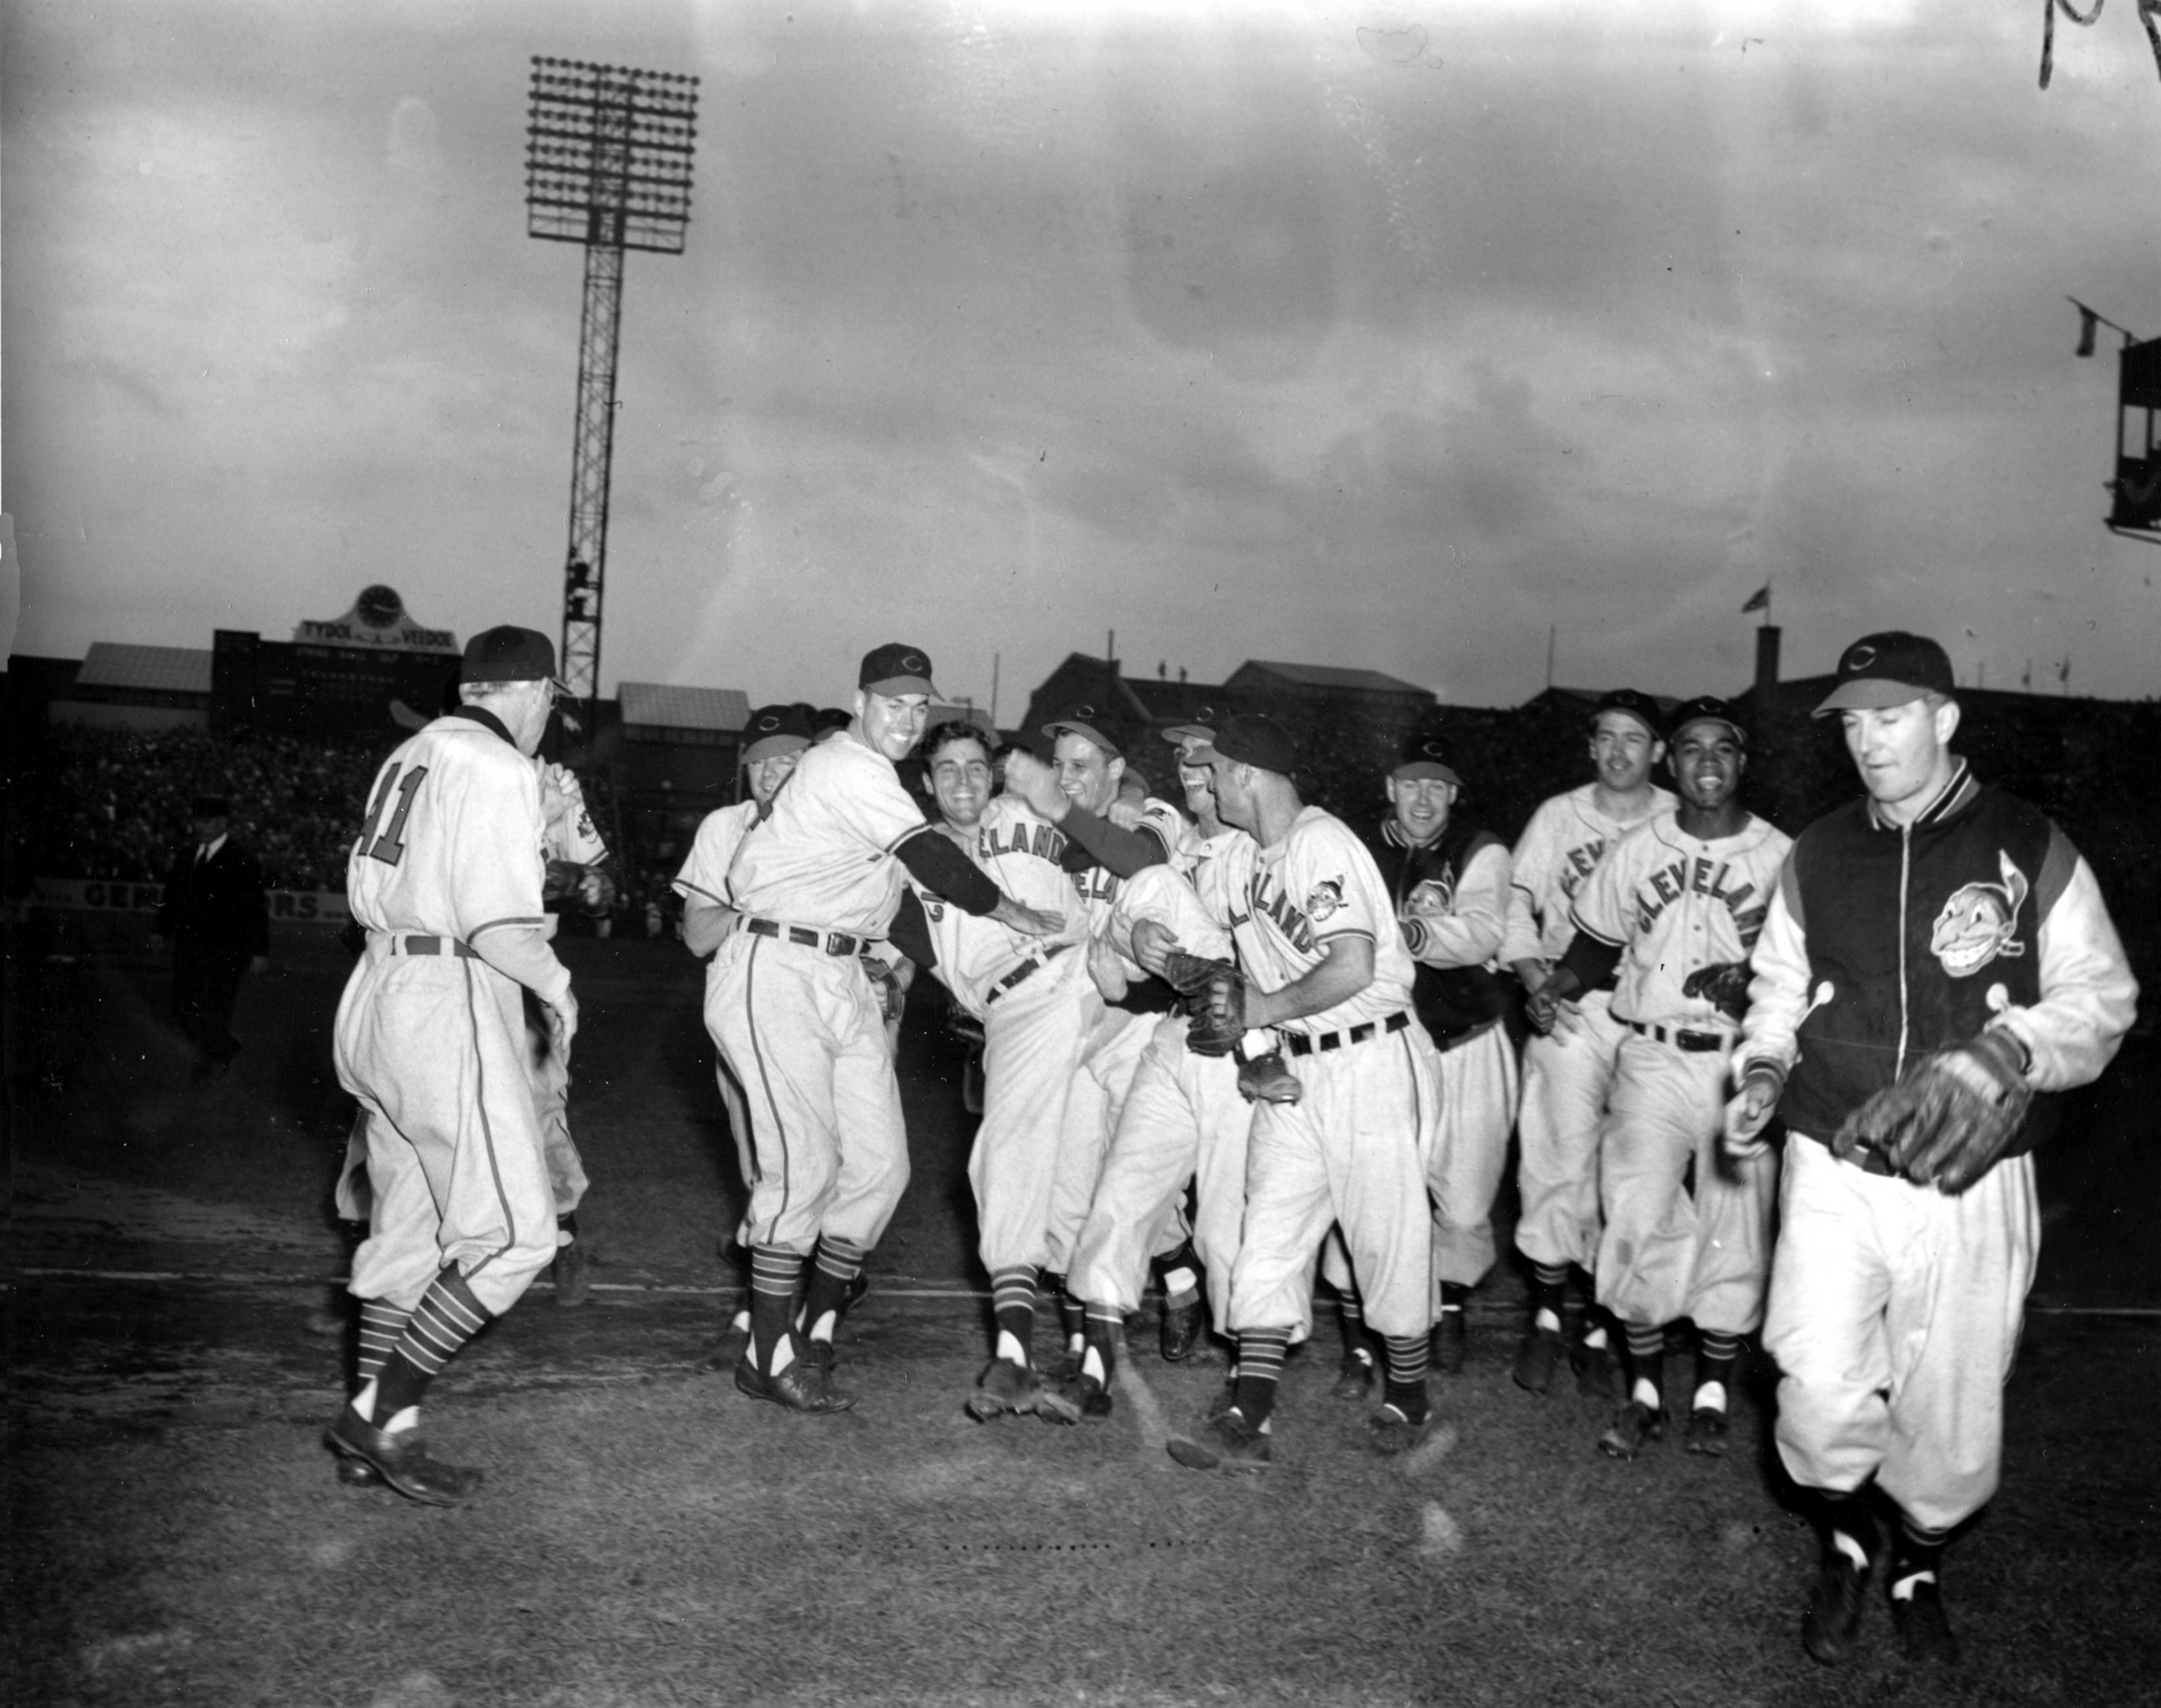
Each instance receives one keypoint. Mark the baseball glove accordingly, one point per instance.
(1214, 992)
(1951, 1117)
(1724, 983)
(885, 986)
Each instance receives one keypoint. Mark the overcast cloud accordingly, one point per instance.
(1353, 335)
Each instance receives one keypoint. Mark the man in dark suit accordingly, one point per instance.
(217, 920)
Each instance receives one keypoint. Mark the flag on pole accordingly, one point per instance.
(1760, 599)
(2089, 326)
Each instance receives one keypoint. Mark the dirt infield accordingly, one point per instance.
(647, 1537)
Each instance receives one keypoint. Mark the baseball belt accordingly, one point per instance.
(832, 942)
(1317, 1044)
(1696, 1043)
(1026, 970)
(413, 943)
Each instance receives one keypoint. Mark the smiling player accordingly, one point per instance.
(1674, 907)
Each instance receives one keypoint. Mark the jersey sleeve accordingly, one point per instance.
(1471, 933)
(571, 834)
(1530, 873)
(1602, 907)
(2088, 995)
(876, 807)
(705, 874)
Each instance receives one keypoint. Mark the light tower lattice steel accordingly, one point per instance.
(607, 164)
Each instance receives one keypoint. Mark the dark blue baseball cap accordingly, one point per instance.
(1886, 669)
(894, 669)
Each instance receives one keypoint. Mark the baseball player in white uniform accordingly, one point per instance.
(1325, 965)
(1936, 921)
(1675, 905)
(1566, 1073)
(445, 879)
(814, 883)
(1077, 791)
(1037, 1007)
(774, 740)
(1184, 1118)
(1450, 881)
(576, 857)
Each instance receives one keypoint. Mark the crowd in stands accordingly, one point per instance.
(113, 804)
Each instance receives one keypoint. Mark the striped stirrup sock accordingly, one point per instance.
(447, 1316)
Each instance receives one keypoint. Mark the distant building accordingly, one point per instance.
(1324, 706)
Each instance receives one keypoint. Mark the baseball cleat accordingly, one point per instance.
(401, 1460)
(1091, 1398)
(573, 1273)
(1924, 1629)
(1707, 1429)
(821, 1353)
(1449, 1341)
(1389, 1432)
(1184, 1326)
(1536, 1359)
(1635, 1424)
(802, 1387)
(357, 1473)
(1832, 1622)
(1354, 1379)
(1597, 1373)
(1006, 1388)
(1227, 1442)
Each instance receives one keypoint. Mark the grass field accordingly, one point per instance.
(647, 1537)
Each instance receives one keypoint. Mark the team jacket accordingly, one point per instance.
(1457, 888)
(1884, 942)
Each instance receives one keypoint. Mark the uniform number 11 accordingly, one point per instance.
(389, 847)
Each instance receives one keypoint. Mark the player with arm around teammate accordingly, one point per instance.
(1674, 907)
(1450, 879)
(815, 883)
(1037, 1006)
(1567, 1071)
(1082, 791)
(1324, 964)
(1184, 1117)
(446, 880)
(1938, 939)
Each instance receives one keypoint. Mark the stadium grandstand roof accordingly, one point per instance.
(657, 705)
(1331, 676)
(163, 669)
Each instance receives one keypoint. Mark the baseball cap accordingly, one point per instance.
(1640, 706)
(1086, 721)
(1202, 729)
(775, 729)
(894, 668)
(1708, 708)
(507, 654)
(1888, 670)
(1427, 756)
(1250, 738)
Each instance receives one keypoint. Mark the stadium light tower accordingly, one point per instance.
(607, 164)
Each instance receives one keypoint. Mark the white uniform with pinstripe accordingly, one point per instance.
(1566, 1074)
(792, 1011)
(1354, 1149)
(430, 1037)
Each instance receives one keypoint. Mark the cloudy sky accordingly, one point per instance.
(1387, 336)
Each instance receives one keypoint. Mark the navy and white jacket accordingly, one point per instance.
(1885, 942)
